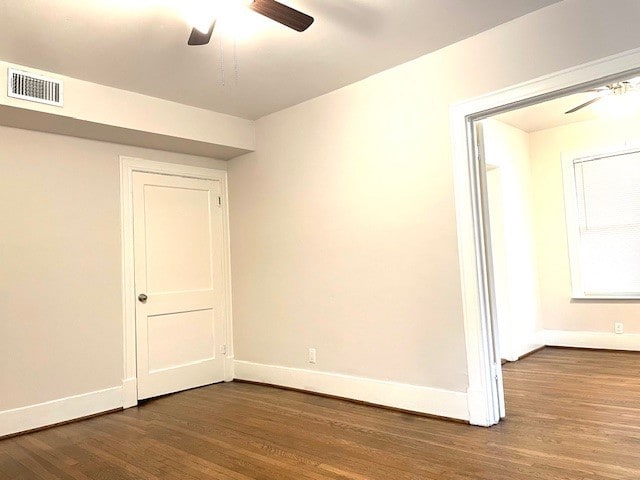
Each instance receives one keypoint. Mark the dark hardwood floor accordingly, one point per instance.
(572, 414)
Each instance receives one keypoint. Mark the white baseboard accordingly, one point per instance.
(57, 411)
(527, 349)
(603, 340)
(432, 401)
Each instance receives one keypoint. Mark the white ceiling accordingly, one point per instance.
(551, 114)
(140, 45)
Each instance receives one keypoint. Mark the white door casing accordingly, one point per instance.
(176, 252)
(493, 333)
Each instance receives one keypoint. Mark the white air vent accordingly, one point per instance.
(36, 88)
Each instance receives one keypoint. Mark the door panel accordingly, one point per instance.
(174, 262)
(178, 266)
(191, 334)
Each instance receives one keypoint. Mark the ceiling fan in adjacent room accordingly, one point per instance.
(276, 11)
(617, 88)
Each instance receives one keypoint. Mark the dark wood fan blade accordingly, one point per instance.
(283, 14)
(585, 104)
(199, 38)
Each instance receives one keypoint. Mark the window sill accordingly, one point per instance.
(605, 297)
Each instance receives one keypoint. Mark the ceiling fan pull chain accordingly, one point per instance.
(222, 79)
(235, 60)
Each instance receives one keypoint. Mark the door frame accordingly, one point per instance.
(128, 165)
(473, 253)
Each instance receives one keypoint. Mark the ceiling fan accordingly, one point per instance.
(276, 11)
(618, 88)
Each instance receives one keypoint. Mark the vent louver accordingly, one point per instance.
(36, 88)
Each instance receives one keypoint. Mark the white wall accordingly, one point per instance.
(507, 149)
(557, 311)
(60, 274)
(342, 223)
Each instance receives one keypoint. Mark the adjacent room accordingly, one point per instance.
(561, 183)
(263, 239)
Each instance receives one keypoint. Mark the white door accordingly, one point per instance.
(178, 231)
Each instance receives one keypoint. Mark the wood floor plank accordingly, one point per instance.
(571, 414)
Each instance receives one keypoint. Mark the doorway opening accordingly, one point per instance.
(503, 283)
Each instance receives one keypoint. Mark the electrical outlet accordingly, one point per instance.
(312, 355)
(618, 327)
(223, 349)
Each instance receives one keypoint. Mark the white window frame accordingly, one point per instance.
(572, 216)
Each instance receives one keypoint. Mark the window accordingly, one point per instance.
(602, 205)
